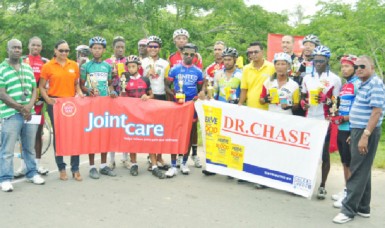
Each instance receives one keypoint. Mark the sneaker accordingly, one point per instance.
(341, 218)
(171, 172)
(156, 172)
(36, 180)
(94, 173)
(107, 171)
(179, 161)
(42, 171)
(184, 169)
(6, 186)
(338, 203)
(208, 173)
(321, 193)
(363, 215)
(112, 165)
(197, 161)
(337, 196)
(134, 170)
(20, 173)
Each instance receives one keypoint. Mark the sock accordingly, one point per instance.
(185, 158)
(125, 157)
(92, 166)
(194, 149)
(173, 163)
(132, 164)
(37, 160)
(112, 157)
(154, 167)
(103, 165)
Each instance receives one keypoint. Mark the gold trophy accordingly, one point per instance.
(94, 84)
(333, 110)
(180, 95)
(123, 85)
(210, 91)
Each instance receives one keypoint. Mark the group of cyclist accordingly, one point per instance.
(291, 85)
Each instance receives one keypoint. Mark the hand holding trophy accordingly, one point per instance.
(94, 85)
(123, 85)
(180, 95)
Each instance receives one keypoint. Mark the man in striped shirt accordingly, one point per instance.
(17, 96)
(365, 117)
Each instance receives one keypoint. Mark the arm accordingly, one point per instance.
(9, 101)
(43, 92)
(243, 97)
(78, 89)
(374, 117)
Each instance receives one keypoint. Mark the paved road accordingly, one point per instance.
(183, 201)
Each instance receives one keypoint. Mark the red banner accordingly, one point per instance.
(274, 45)
(101, 124)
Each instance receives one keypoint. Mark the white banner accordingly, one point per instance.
(272, 149)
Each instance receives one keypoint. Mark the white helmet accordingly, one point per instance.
(282, 56)
(180, 32)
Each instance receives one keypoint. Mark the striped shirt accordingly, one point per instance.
(16, 83)
(371, 94)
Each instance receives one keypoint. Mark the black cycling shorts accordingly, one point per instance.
(344, 147)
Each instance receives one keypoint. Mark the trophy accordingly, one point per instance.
(123, 85)
(333, 110)
(94, 84)
(210, 91)
(180, 95)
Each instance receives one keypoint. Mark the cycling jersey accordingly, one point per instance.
(177, 58)
(36, 63)
(137, 86)
(347, 95)
(287, 94)
(211, 69)
(157, 80)
(191, 77)
(227, 89)
(102, 72)
(328, 83)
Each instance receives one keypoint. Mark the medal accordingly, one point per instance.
(23, 98)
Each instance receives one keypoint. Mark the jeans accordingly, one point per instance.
(12, 129)
(59, 159)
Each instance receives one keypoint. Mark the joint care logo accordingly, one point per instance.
(131, 129)
(290, 137)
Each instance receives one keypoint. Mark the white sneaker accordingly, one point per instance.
(179, 161)
(171, 172)
(6, 186)
(341, 218)
(42, 171)
(184, 169)
(36, 180)
(338, 203)
(364, 215)
(197, 161)
(337, 196)
(20, 173)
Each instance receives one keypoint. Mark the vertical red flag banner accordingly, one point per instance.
(274, 45)
(101, 124)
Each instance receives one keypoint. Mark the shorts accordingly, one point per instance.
(325, 149)
(38, 109)
(344, 147)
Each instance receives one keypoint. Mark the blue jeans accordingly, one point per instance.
(13, 128)
(59, 159)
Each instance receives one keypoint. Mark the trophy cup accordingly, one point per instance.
(180, 95)
(123, 84)
(94, 84)
(333, 110)
(210, 91)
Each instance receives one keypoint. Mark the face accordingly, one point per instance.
(320, 63)
(119, 49)
(15, 49)
(218, 49)
(281, 67)
(97, 51)
(308, 48)
(364, 68)
(287, 44)
(180, 41)
(142, 49)
(62, 51)
(35, 47)
(254, 53)
(188, 55)
(229, 62)
(132, 68)
(153, 49)
(347, 70)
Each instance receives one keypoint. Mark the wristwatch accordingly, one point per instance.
(367, 132)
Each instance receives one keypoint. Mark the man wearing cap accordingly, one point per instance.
(142, 48)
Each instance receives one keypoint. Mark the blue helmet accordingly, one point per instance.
(98, 40)
(322, 50)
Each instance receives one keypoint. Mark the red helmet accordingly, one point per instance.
(348, 59)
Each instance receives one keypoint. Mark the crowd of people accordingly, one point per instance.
(291, 85)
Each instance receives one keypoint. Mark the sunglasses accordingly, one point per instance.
(319, 61)
(189, 54)
(362, 66)
(153, 46)
(253, 52)
(64, 50)
(217, 49)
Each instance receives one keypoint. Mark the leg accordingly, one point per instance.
(59, 159)
(134, 165)
(28, 134)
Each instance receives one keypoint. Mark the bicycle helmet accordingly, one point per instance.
(313, 39)
(180, 32)
(83, 49)
(142, 42)
(154, 39)
(349, 59)
(133, 59)
(322, 50)
(192, 46)
(230, 52)
(282, 56)
(98, 40)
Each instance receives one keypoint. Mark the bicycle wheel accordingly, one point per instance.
(46, 136)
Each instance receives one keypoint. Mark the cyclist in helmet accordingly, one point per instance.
(310, 42)
(82, 54)
(95, 78)
(142, 48)
(318, 87)
(191, 77)
(281, 92)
